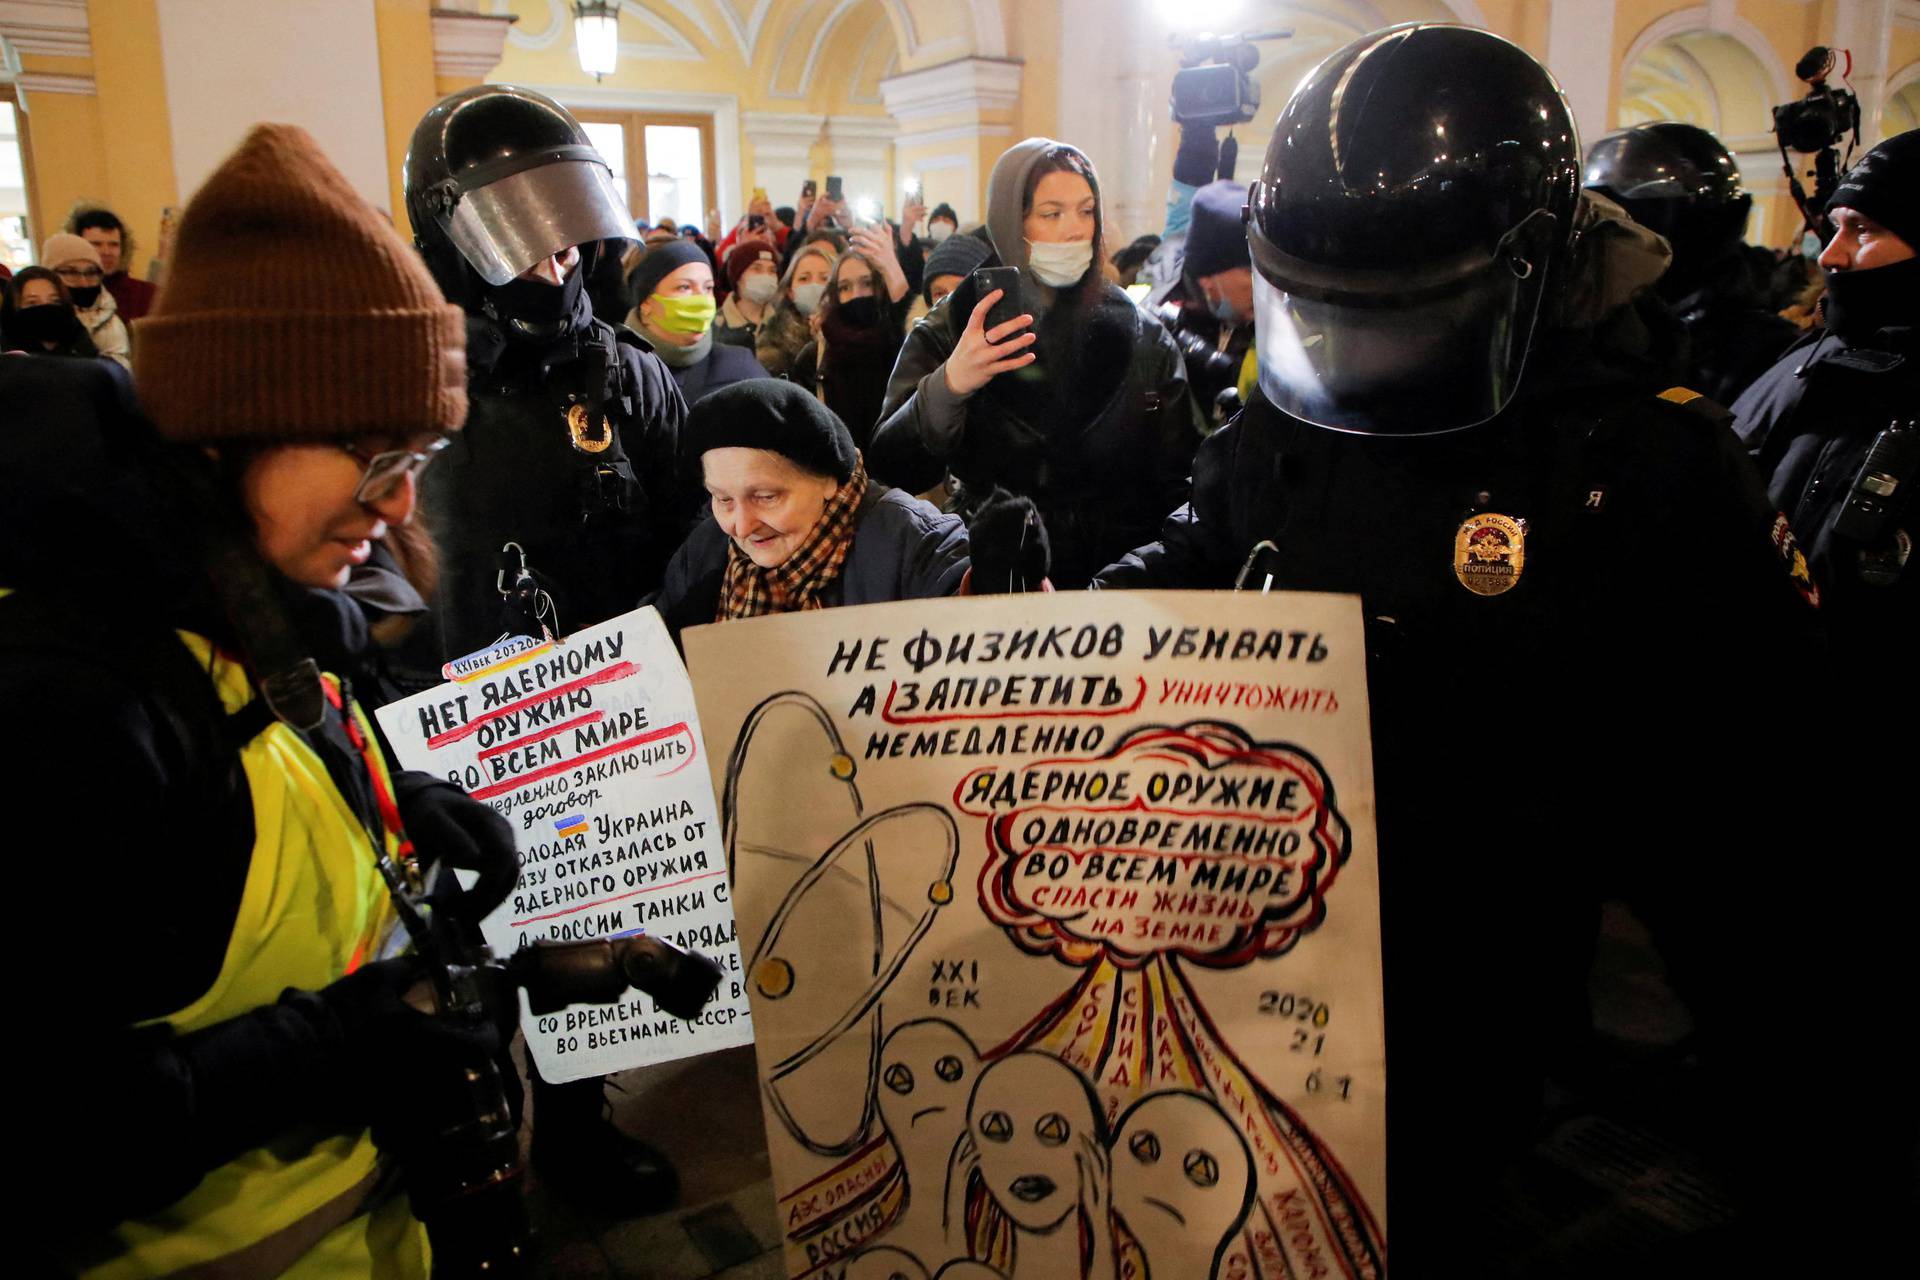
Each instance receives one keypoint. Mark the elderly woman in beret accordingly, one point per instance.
(796, 524)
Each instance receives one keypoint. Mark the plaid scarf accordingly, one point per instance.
(748, 591)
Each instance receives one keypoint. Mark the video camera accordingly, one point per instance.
(465, 1186)
(1815, 125)
(1215, 84)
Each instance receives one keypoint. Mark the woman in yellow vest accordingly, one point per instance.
(231, 1048)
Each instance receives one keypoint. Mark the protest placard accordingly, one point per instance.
(590, 748)
(1061, 918)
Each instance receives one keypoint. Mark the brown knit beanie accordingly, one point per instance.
(293, 311)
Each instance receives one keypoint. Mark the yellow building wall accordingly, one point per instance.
(135, 135)
(69, 158)
(112, 146)
(404, 29)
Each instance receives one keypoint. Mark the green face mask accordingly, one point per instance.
(686, 315)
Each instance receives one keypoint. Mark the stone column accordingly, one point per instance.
(861, 150)
(467, 44)
(1579, 36)
(954, 121)
(782, 142)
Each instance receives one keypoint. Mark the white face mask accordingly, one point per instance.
(806, 297)
(939, 231)
(760, 290)
(1060, 265)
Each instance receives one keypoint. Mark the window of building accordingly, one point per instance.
(674, 152)
(16, 233)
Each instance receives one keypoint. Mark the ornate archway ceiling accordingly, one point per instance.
(1700, 77)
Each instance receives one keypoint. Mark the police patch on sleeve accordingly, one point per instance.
(1795, 560)
(1489, 552)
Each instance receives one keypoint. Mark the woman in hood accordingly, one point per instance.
(802, 289)
(1080, 402)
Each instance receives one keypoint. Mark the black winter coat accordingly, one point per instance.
(1809, 423)
(135, 764)
(1591, 732)
(1099, 432)
(903, 549)
(1731, 336)
(725, 365)
(597, 526)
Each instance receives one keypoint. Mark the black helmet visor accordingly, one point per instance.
(1398, 352)
(504, 224)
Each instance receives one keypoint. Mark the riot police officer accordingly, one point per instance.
(1571, 592)
(558, 506)
(1680, 181)
(1835, 425)
(575, 423)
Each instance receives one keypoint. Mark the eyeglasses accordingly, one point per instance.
(387, 470)
(84, 275)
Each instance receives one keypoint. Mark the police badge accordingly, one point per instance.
(580, 430)
(1489, 552)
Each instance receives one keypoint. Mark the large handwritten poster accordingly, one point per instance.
(1062, 932)
(590, 748)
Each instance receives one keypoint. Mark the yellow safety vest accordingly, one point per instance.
(314, 909)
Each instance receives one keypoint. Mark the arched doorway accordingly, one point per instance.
(1716, 80)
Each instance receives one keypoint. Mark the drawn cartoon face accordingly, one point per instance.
(1031, 1117)
(927, 1069)
(1180, 1173)
(968, 1269)
(885, 1264)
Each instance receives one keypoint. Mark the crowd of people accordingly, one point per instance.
(1681, 694)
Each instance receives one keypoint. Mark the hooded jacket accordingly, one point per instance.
(1099, 431)
(108, 331)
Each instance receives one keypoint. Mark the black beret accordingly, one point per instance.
(767, 413)
(661, 263)
(1217, 239)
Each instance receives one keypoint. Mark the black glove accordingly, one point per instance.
(1008, 544)
(1198, 157)
(388, 1055)
(452, 829)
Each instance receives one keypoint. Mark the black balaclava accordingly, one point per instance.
(536, 310)
(1861, 304)
(49, 322)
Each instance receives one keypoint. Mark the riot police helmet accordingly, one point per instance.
(1676, 179)
(1416, 201)
(498, 178)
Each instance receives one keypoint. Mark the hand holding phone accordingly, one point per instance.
(988, 348)
(836, 190)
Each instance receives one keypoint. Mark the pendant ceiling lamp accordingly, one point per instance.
(596, 35)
